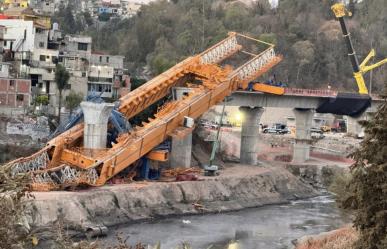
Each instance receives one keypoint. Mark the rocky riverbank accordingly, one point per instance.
(237, 187)
(341, 238)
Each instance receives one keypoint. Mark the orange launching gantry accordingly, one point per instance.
(212, 75)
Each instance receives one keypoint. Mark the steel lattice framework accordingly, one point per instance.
(63, 163)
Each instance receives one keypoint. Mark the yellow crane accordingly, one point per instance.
(358, 70)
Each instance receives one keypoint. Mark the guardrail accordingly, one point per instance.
(250, 68)
(310, 92)
(220, 50)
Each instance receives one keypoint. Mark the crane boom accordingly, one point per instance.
(358, 69)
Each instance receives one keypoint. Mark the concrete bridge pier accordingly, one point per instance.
(301, 148)
(181, 148)
(96, 117)
(181, 152)
(249, 134)
(353, 126)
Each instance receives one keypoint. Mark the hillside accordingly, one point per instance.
(305, 32)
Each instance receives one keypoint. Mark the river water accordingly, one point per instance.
(269, 227)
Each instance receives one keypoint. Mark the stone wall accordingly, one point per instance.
(236, 188)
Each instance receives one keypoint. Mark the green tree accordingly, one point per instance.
(368, 186)
(62, 77)
(304, 52)
(41, 100)
(104, 17)
(73, 100)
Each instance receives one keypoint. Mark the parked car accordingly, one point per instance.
(277, 129)
(317, 135)
(316, 130)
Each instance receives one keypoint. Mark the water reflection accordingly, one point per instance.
(270, 227)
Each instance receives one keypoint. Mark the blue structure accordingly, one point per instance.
(105, 10)
(116, 119)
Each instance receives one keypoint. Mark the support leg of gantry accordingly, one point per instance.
(96, 116)
(249, 134)
(301, 148)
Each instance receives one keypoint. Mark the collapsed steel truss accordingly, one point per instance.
(61, 164)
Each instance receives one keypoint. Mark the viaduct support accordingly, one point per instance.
(353, 126)
(301, 149)
(181, 148)
(181, 152)
(249, 134)
(96, 116)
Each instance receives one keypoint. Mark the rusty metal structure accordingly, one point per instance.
(211, 75)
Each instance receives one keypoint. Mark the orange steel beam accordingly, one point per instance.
(158, 155)
(96, 167)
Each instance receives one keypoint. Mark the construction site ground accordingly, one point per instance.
(237, 187)
(275, 180)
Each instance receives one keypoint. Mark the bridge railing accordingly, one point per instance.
(221, 50)
(310, 92)
(249, 70)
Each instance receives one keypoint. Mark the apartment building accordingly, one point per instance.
(15, 93)
(31, 51)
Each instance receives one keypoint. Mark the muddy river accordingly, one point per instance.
(269, 227)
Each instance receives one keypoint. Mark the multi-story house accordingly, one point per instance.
(43, 6)
(33, 49)
(15, 93)
(120, 80)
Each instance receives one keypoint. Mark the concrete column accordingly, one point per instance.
(249, 134)
(353, 126)
(181, 152)
(301, 148)
(96, 117)
(181, 148)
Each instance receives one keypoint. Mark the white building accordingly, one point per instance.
(19, 35)
(100, 80)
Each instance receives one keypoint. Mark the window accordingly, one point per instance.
(83, 74)
(20, 97)
(12, 83)
(107, 59)
(41, 44)
(82, 46)
(42, 57)
(5, 43)
(100, 59)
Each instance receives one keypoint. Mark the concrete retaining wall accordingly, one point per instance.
(237, 188)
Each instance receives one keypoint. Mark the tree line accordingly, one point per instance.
(305, 32)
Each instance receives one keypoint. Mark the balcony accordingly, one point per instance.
(42, 64)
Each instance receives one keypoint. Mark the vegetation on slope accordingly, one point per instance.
(369, 184)
(305, 31)
(13, 189)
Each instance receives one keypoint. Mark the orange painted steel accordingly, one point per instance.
(158, 155)
(260, 87)
(69, 164)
